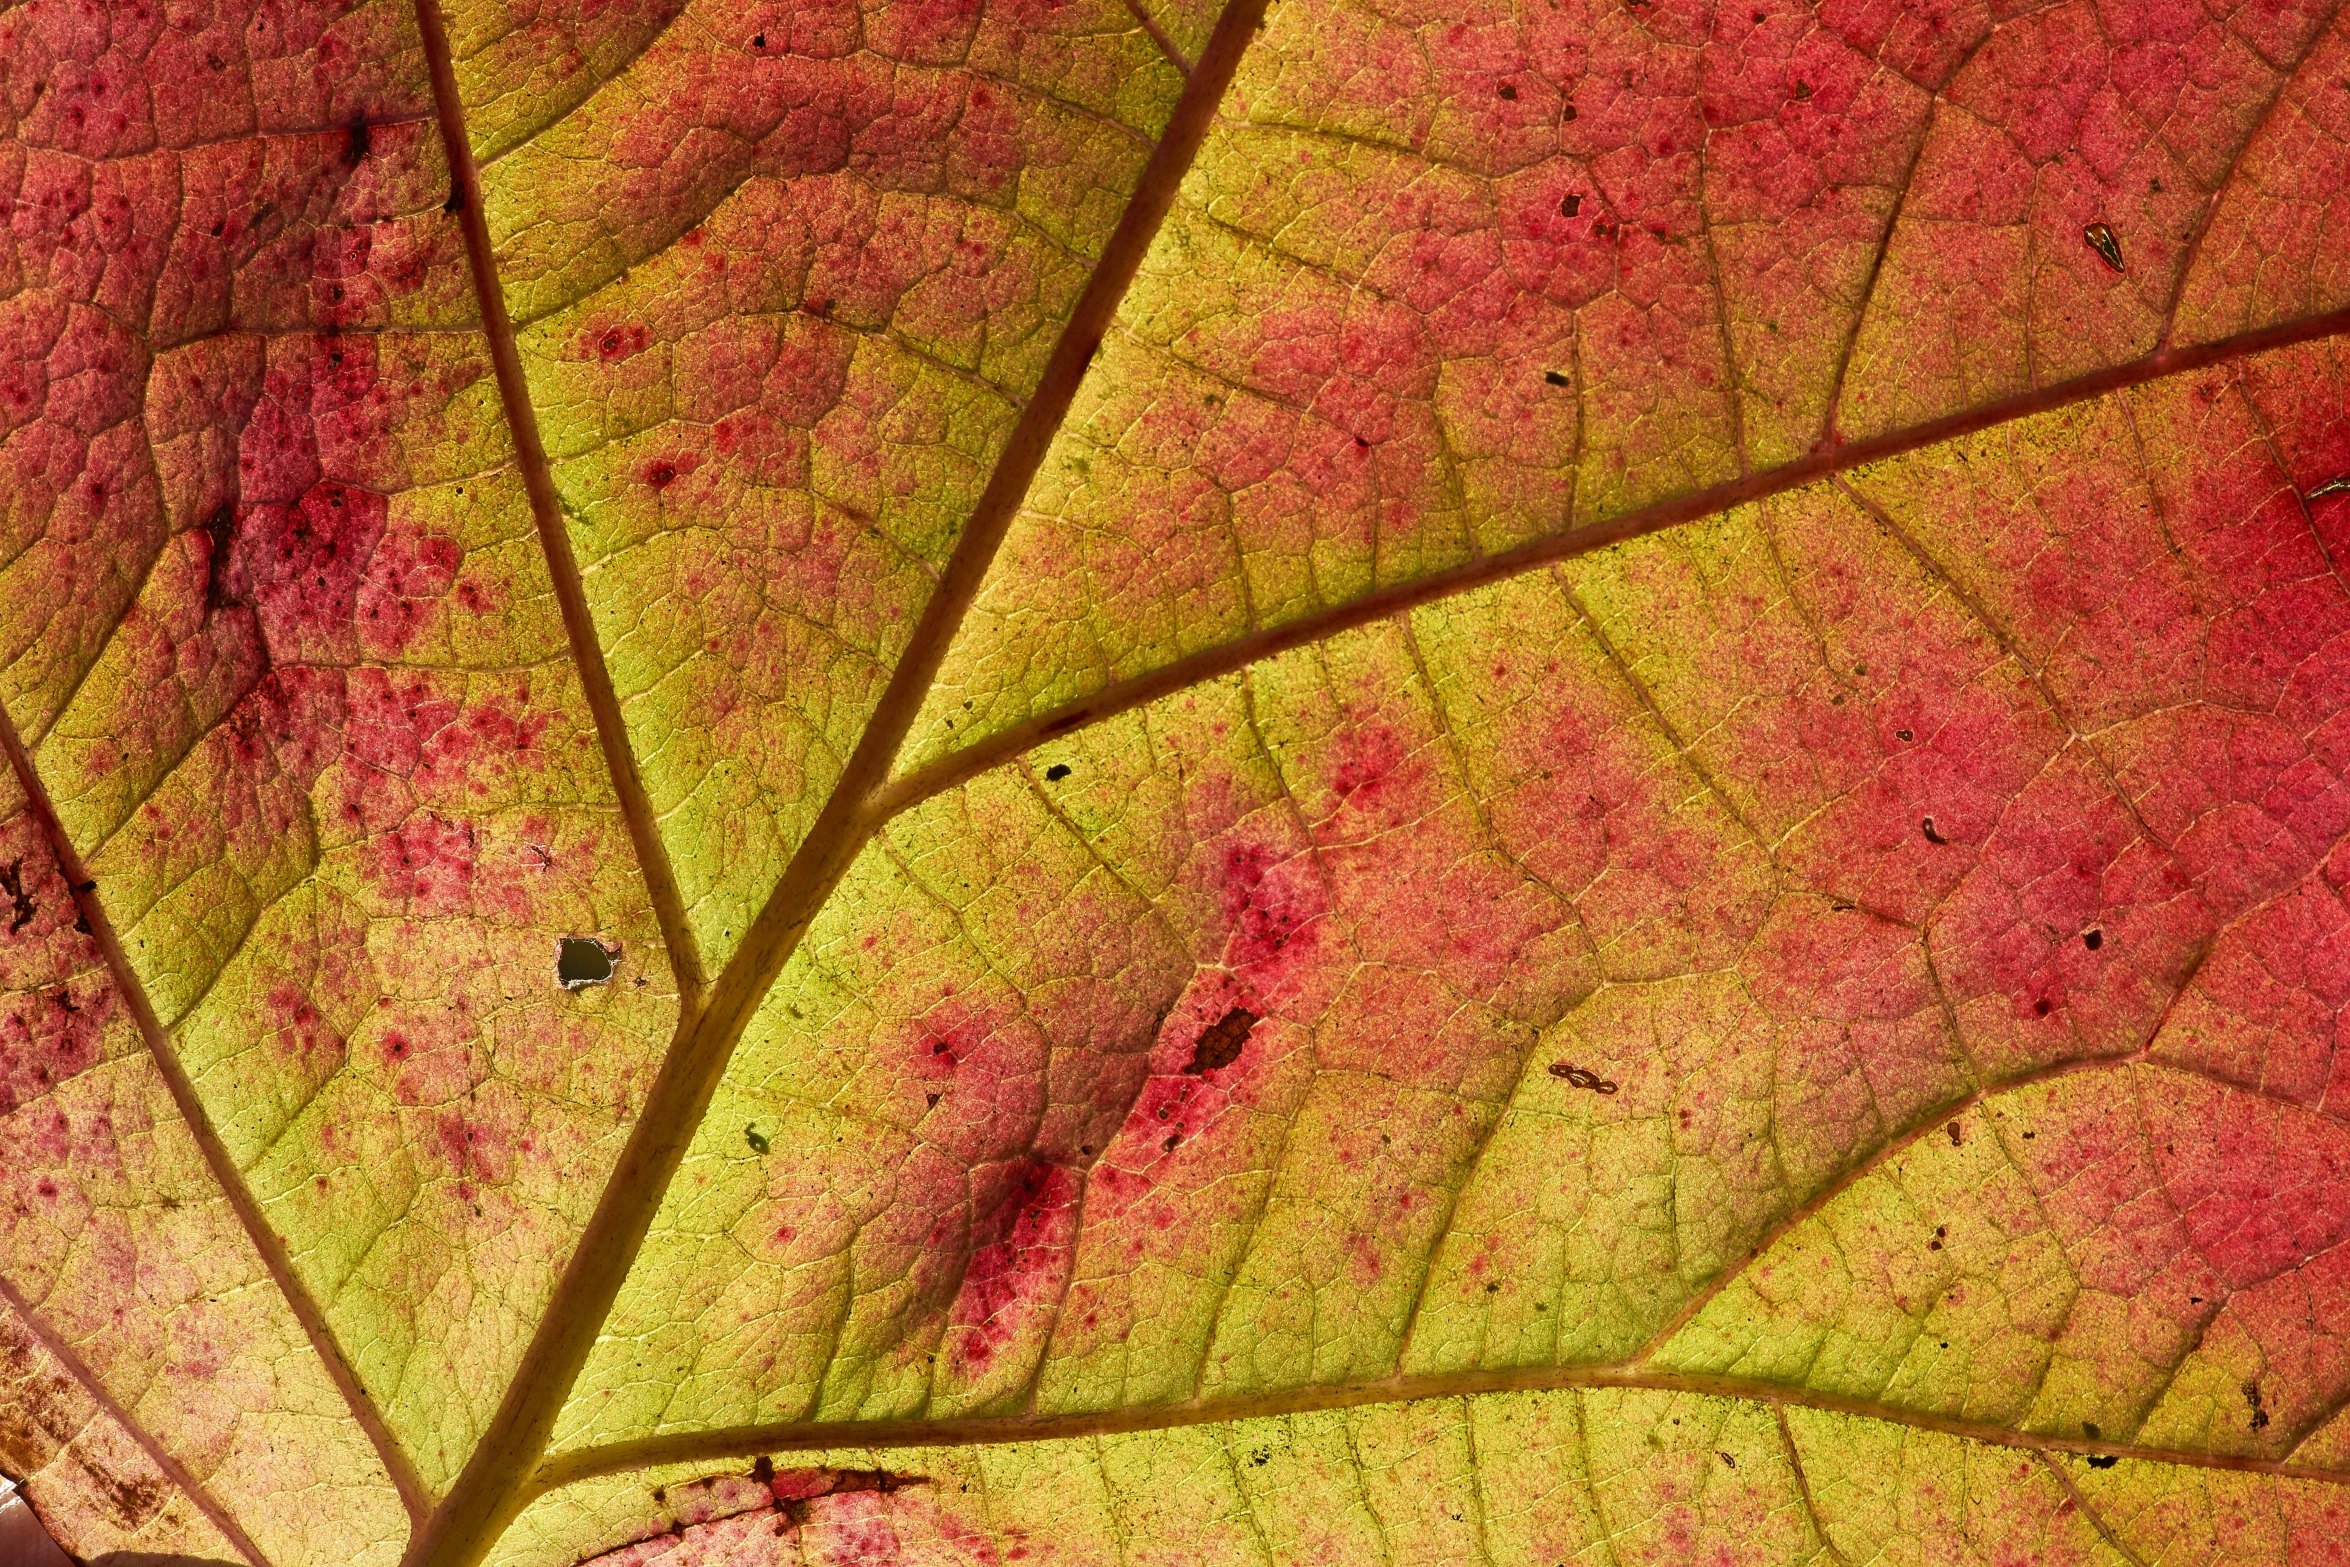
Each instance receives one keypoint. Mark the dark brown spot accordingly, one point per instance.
(1218, 1045)
(1927, 827)
(1572, 206)
(1510, 94)
(1056, 772)
(2092, 939)
(1582, 1078)
(22, 906)
(1555, 379)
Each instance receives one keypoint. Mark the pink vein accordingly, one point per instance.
(224, 1169)
(546, 510)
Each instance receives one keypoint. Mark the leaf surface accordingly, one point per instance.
(1340, 784)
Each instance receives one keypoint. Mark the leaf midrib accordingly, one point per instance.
(490, 1490)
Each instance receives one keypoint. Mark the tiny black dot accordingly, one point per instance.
(2092, 939)
(1056, 772)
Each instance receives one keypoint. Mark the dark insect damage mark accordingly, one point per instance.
(23, 908)
(2252, 1397)
(220, 528)
(1572, 206)
(456, 202)
(2101, 240)
(1556, 379)
(1218, 1045)
(795, 1488)
(2103, 1460)
(1583, 1079)
(357, 142)
(583, 960)
(751, 1135)
(1951, 1128)
(1057, 772)
(2092, 939)
(1927, 827)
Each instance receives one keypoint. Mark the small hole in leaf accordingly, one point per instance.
(759, 41)
(1903, 734)
(2092, 939)
(1510, 94)
(581, 961)
(1572, 206)
(2040, 1008)
(1555, 379)
(2104, 1460)
(1056, 772)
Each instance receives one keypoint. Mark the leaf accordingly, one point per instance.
(1327, 783)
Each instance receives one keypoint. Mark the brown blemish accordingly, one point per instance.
(1219, 1044)
(1583, 1078)
(22, 907)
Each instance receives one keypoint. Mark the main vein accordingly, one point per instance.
(494, 1484)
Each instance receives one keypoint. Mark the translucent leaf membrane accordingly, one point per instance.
(787, 279)
(1498, 1478)
(144, 1349)
(277, 631)
(1444, 283)
(89, 1485)
(1872, 941)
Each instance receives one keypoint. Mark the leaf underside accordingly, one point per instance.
(977, 781)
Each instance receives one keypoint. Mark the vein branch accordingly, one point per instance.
(968, 761)
(182, 1088)
(687, 1447)
(546, 510)
(205, 1502)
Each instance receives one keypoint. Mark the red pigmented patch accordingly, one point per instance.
(1020, 1248)
(662, 472)
(615, 341)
